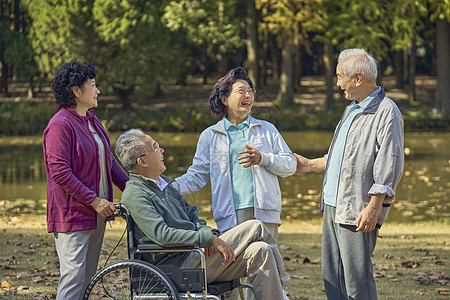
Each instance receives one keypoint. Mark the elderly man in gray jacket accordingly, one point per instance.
(164, 217)
(363, 166)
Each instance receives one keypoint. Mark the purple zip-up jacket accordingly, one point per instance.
(73, 170)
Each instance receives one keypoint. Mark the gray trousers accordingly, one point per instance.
(257, 257)
(78, 254)
(347, 268)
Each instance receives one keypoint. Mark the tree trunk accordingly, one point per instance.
(124, 97)
(412, 72)
(275, 55)
(329, 74)
(30, 87)
(286, 89)
(252, 43)
(443, 67)
(398, 68)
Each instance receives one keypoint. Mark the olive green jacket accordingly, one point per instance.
(165, 218)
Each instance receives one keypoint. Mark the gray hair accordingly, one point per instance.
(358, 61)
(129, 147)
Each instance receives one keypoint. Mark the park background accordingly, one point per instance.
(157, 62)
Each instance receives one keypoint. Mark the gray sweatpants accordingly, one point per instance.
(257, 257)
(347, 268)
(78, 254)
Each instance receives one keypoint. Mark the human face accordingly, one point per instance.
(239, 102)
(86, 95)
(152, 159)
(346, 83)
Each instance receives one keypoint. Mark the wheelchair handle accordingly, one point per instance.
(119, 213)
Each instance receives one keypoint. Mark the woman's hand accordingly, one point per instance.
(103, 207)
(251, 157)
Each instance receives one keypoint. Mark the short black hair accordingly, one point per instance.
(71, 74)
(223, 88)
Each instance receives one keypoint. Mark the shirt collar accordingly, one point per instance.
(160, 182)
(244, 124)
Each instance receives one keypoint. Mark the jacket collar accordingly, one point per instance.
(89, 114)
(220, 126)
(372, 107)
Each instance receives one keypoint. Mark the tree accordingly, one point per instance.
(210, 28)
(441, 15)
(51, 33)
(125, 40)
(405, 25)
(252, 42)
(290, 21)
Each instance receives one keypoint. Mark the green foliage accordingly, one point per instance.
(126, 40)
(51, 33)
(20, 54)
(294, 19)
(210, 27)
(24, 117)
(130, 45)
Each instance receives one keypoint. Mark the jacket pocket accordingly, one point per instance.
(219, 161)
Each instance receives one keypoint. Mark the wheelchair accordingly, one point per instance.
(137, 279)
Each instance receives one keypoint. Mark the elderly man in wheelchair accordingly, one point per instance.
(164, 220)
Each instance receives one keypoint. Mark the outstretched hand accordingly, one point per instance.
(302, 164)
(251, 157)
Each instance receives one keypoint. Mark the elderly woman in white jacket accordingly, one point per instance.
(242, 156)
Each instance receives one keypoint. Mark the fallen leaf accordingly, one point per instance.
(410, 264)
(6, 285)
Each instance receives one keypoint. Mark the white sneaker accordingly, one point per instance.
(285, 297)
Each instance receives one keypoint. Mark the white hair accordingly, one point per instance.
(358, 61)
(129, 147)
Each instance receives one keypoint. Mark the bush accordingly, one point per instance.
(25, 117)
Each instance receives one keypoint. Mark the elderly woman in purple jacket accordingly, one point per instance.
(80, 170)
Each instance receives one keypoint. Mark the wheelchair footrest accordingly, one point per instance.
(218, 288)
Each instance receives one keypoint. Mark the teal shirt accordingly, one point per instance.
(335, 159)
(241, 178)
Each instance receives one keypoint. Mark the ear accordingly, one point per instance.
(224, 100)
(76, 91)
(141, 161)
(358, 79)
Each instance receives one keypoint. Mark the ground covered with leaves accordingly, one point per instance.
(411, 261)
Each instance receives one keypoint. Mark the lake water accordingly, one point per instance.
(421, 195)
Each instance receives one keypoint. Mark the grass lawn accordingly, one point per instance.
(411, 261)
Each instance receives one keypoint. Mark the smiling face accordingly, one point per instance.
(153, 159)
(346, 83)
(86, 96)
(239, 102)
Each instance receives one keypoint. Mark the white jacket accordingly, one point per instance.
(212, 160)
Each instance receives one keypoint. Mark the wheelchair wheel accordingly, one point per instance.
(131, 279)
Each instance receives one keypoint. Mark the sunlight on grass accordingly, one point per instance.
(407, 255)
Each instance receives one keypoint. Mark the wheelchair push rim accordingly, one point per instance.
(130, 279)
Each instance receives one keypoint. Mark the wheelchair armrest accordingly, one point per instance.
(158, 248)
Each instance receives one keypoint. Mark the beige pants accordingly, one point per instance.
(257, 257)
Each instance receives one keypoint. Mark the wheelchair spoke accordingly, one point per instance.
(131, 279)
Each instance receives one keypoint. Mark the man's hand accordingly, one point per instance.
(224, 249)
(252, 157)
(103, 207)
(305, 165)
(209, 251)
(368, 217)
